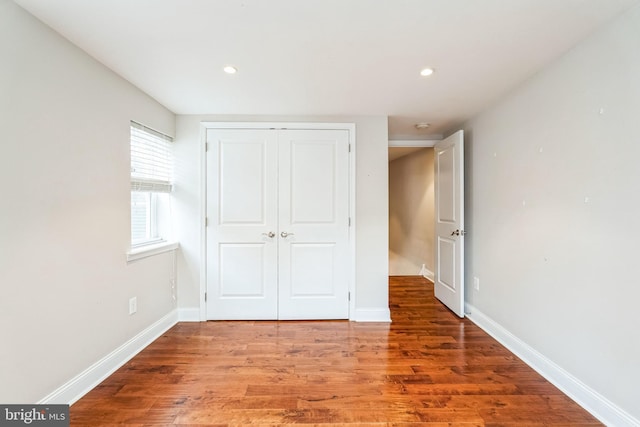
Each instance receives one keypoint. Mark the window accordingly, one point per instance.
(151, 167)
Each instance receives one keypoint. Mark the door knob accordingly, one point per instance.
(458, 233)
(270, 234)
(284, 234)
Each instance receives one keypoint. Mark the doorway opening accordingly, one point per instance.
(409, 228)
(411, 211)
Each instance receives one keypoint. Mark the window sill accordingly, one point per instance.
(151, 250)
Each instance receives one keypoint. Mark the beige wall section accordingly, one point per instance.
(371, 205)
(553, 208)
(411, 210)
(65, 216)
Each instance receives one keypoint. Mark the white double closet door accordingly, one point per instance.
(278, 218)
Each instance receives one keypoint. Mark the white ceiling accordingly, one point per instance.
(328, 57)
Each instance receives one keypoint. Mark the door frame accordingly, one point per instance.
(206, 125)
(432, 143)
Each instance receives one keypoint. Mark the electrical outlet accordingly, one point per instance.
(133, 305)
(476, 283)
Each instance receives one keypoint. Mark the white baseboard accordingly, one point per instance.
(361, 315)
(84, 382)
(189, 315)
(426, 273)
(372, 315)
(599, 406)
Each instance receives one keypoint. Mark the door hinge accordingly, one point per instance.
(205, 297)
(349, 221)
(206, 221)
(206, 147)
(349, 147)
(349, 295)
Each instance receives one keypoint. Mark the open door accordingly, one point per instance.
(449, 215)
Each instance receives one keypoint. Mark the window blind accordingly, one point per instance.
(151, 160)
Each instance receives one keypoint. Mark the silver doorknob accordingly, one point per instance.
(284, 234)
(270, 234)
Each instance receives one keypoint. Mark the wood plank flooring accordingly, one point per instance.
(426, 368)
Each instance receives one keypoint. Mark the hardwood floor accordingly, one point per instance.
(426, 368)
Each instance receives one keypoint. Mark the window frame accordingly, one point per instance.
(151, 223)
(142, 141)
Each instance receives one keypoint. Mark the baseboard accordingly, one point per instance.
(189, 315)
(84, 382)
(372, 315)
(426, 273)
(599, 406)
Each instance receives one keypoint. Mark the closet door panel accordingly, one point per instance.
(242, 260)
(278, 218)
(313, 217)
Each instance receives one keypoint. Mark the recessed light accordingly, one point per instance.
(422, 125)
(426, 72)
(230, 69)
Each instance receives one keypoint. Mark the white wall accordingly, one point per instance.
(553, 212)
(64, 220)
(371, 207)
(411, 214)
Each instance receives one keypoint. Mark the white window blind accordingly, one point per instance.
(151, 160)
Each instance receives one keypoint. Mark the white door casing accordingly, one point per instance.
(449, 209)
(278, 233)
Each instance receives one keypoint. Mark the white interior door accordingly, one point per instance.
(449, 192)
(314, 228)
(242, 212)
(278, 218)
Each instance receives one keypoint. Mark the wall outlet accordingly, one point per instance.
(133, 305)
(476, 283)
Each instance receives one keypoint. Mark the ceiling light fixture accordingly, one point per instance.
(426, 72)
(230, 69)
(422, 125)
